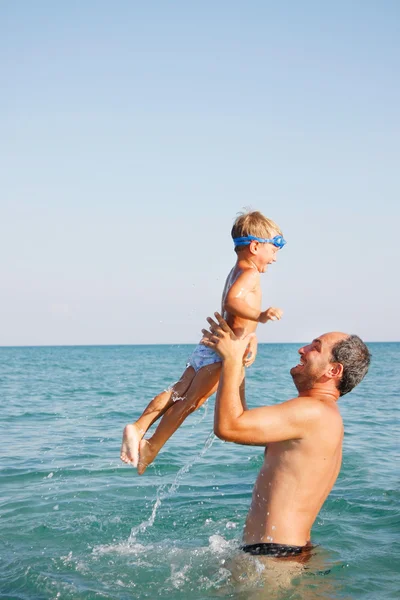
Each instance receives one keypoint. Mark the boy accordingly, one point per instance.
(257, 241)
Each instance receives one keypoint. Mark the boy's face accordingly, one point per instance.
(266, 253)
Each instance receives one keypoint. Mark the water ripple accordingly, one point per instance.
(78, 524)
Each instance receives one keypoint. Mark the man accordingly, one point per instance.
(303, 436)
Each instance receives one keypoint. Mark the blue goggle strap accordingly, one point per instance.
(278, 241)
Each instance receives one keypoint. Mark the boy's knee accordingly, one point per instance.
(189, 405)
(193, 406)
(179, 390)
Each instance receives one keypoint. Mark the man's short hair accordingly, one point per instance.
(355, 357)
(253, 223)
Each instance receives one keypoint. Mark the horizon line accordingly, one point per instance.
(158, 344)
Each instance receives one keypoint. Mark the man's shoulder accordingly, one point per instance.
(314, 410)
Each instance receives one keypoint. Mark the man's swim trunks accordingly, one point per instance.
(203, 356)
(276, 550)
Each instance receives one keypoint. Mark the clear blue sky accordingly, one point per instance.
(131, 133)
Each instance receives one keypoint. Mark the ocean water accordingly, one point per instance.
(76, 523)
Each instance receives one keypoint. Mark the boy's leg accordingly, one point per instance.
(157, 407)
(204, 384)
(134, 432)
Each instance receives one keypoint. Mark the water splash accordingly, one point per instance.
(164, 491)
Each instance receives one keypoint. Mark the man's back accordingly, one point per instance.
(296, 477)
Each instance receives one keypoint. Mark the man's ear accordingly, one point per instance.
(335, 371)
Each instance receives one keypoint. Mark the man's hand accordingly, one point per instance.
(271, 314)
(251, 352)
(222, 339)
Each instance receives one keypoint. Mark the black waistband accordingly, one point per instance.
(276, 550)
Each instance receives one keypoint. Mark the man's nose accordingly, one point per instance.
(304, 349)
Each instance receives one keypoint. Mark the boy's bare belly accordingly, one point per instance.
(240, 326)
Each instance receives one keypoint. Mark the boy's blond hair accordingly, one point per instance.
(253, 223)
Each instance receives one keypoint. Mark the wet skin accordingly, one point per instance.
(303, 438)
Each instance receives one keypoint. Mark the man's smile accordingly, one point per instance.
(301, 363)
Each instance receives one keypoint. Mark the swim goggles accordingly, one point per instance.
(277, 241)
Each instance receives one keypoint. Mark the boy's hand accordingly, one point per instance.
(251, 352)
(271, 314)
(222, 339)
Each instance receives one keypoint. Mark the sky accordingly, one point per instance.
(132, 133)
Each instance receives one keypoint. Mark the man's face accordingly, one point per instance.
(315, 361)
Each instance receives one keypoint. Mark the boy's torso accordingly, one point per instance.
(239, 325)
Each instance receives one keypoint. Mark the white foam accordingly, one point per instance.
(179, 577)
(218, 544)
(123, 548)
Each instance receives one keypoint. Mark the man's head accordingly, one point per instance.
(334, 360)
(250, 225)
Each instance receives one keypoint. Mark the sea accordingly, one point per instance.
(77, 523)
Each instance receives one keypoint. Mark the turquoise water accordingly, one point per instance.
(76, 523)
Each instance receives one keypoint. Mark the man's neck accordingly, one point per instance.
(319, 391)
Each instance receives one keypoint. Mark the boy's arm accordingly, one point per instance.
(236, 304)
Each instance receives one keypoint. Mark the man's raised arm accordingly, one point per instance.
(257, 426)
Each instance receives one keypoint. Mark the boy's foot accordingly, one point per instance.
(130, 445)
(146, 454)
